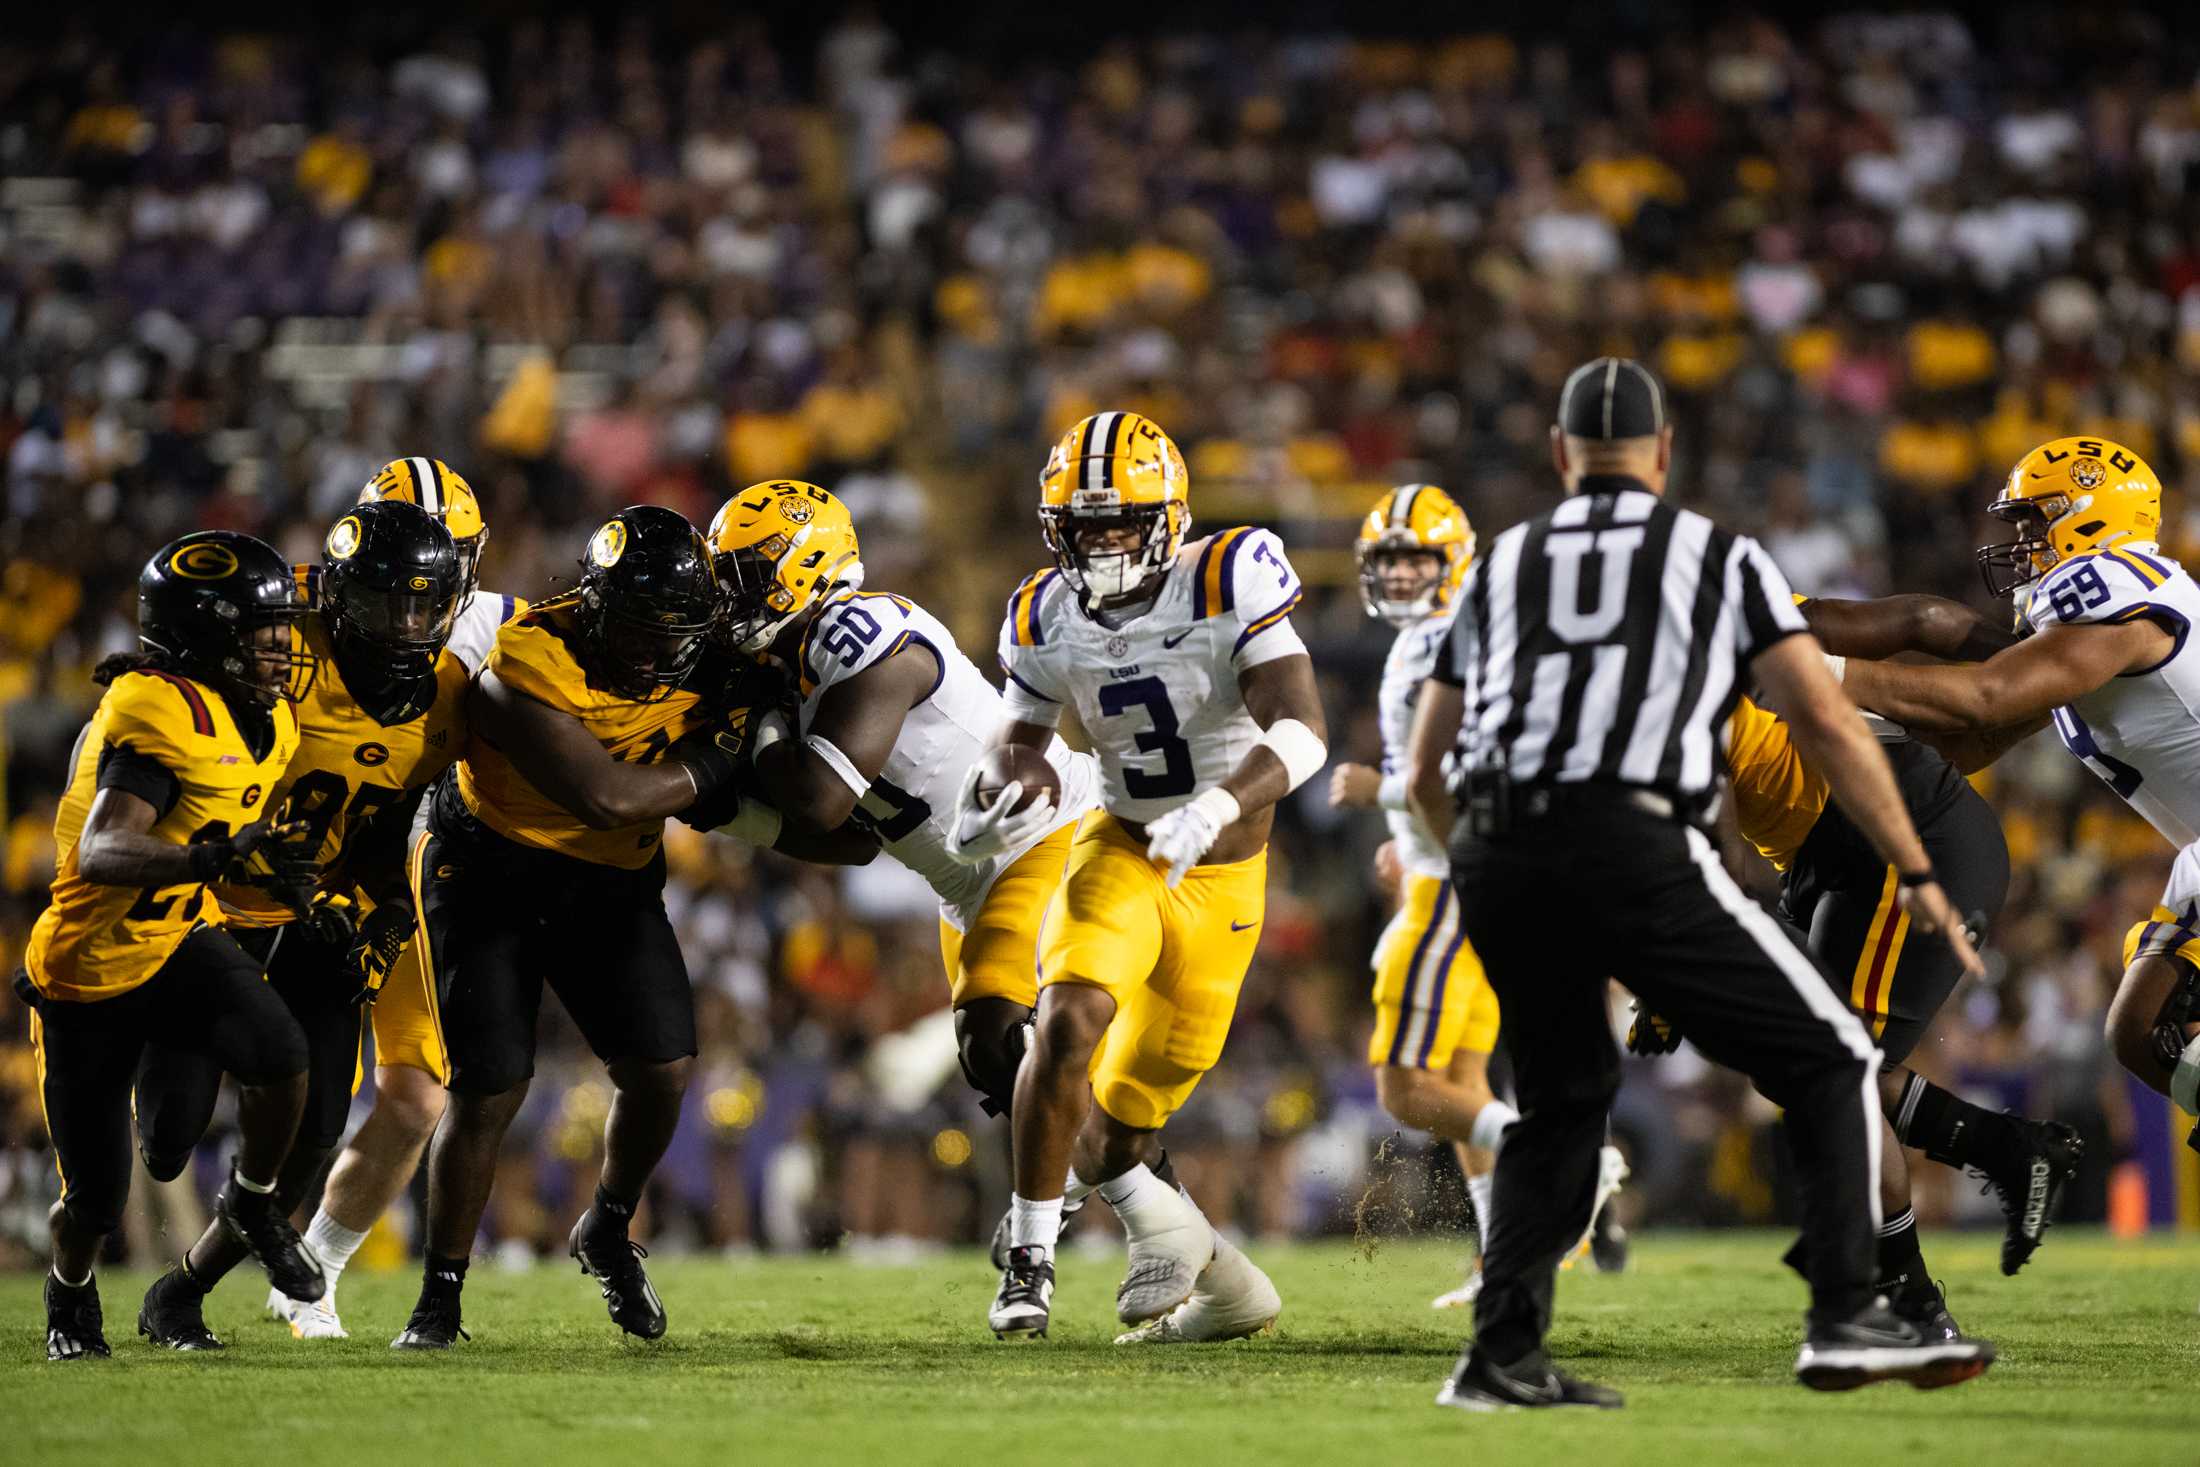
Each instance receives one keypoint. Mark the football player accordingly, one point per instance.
(1435, 1016)
(385, 716)
(890, 726)
(1835, 894)
(168, 793)
(545, 863)
(1200, 702)
(377, 1163)
(2104, 618)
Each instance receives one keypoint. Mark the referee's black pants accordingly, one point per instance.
(1593, 887)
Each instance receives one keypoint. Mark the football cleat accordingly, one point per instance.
(1527, 1384)
(1879, 1345)
(1165, 1265)
(315, 1321)
(1924, 1305)
(173, 1315)
(2031, 1193)
(1233, 1300)
(75, 1327)
(434, 1324)
(607, 1255)
(1026, 1296)
(1464, 1296)
(253, 1219)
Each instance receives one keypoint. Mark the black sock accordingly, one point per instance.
(621, 1208)
(1901, 1264)
(1954, 1132)
(443, 1275)
(191, 1279)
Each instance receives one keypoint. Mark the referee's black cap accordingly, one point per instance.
(1611, 397)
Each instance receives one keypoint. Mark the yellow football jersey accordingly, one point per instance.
(348, 766)
(536, 654)
(97, 941)
(1777, 798)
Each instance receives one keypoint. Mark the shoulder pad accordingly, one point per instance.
(2103, 586)
(1021, 626)
(851, 634)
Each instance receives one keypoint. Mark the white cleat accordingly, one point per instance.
(315, 1321)
(1233, 1300)
(1612, 1173)
(1166, 1264)
(1464, 1296)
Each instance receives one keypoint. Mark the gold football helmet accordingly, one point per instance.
(443, 492)
(2067, 497)
(1414, 549)
(780, 547)
(1113, 503)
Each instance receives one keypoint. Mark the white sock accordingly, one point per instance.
(68, 1283)
(1488, 1131)
(1075, 1190)
(1144, 1203)
(332, 1243)
(260, 1189)
(1479, 1190)
(1034, 1224)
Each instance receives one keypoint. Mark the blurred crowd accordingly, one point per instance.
(591, 263)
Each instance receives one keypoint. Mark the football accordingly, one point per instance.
(1017, 764)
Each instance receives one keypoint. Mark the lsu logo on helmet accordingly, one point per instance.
(2067, 497)
(1114, 476)
(1413, 551)
(779, 547)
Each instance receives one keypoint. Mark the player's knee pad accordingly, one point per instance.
(991, 1037)
(266, 1054)
(92, 1214)
(163, 1165)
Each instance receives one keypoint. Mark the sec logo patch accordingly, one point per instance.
(371, 754)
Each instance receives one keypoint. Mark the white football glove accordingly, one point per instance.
(1177, 840)
(983, 831)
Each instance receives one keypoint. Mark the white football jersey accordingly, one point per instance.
(475, 631)
(1159, 695)
(1412, 658)
(911, 804)
(2140, 732)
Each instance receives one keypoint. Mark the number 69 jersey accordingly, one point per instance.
(1159, 695)
(2140, 732)
(911, 805)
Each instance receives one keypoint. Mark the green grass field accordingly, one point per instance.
(816, 1360)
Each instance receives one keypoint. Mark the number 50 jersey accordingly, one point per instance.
(1158, 696)
(2139, 732)
(911, 805)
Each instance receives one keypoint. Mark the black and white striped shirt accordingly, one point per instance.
(1610, 639)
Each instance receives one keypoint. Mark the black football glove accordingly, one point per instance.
(1650, 1035)
(264, 853)
(374, 952)
(331, 919)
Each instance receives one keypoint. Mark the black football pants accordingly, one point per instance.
(1598, 888)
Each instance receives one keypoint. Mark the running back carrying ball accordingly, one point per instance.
(1007, 764)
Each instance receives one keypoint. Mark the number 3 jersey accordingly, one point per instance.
(348, 766)
(94, 941)
(911, 805)
(1158, 696)
(2139, 732)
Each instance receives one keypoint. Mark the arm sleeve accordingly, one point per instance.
(1765, 609)
(1264, 589)
(124, 768)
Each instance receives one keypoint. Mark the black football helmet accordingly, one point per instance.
(224, 608)
(649, 599)
(392, 582)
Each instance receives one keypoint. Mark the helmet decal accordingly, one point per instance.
(343, 538)
(204, 561)
(608, 545)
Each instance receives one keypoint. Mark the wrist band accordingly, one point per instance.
(1927, 877)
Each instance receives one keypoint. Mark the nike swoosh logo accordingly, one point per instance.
(1243, 926)
(1180, 636)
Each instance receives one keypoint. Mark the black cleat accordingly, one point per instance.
(434, 1324)
(1022, 1304)
(1879, 1345)
(75, 1328)
(1529, 1383)
(1924, 1305)
(173, 1314)
(252, 1219)
(2031, 1193)
(614, 1260)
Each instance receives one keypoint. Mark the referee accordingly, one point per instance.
(1595, 657)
